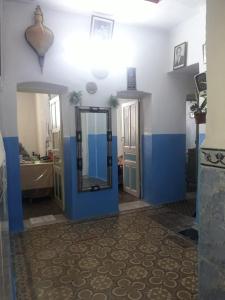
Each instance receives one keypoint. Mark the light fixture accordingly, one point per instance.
(154, 1)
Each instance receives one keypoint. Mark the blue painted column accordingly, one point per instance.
(163, 160)
(87, 205)
(15, 209)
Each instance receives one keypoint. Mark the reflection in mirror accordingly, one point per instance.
(93, 148)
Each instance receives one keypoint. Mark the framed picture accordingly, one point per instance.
(204, 53)
(101, 28)
(131, 78)
(201, 83)
(180, 56)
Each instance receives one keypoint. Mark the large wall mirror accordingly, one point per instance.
(94, 148)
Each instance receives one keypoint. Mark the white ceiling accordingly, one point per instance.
(165, 14)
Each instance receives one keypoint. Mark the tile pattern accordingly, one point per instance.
(130, 256)
(40, 207)
(186, 207)
(212, 233)
(212, 157)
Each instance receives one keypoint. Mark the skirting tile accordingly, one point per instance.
(133, 205)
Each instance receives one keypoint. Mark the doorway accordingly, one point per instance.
(128, 153)
(41, 156)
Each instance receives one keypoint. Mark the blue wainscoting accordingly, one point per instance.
(163, 168)
(87, 205)
(97, 145)
(163, 178)
(13, 181)
(168, 168)
(146, 167)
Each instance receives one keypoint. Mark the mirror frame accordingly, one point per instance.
(91, 109)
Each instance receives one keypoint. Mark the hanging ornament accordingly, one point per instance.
(39, 37)
(75, 97)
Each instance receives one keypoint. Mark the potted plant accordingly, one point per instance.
(200, 111)
(113, 101)
(75, 97)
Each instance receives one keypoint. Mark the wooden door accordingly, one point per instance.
(131, 143)
(57, 149)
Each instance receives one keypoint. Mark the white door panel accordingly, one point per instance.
(57, 150)
(131, 169)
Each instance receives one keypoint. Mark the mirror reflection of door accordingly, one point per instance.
(56, 132)
(94, 148)
(131, 143)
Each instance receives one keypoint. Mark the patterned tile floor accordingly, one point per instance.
(40, 207)
(131, 256)
(125, 197)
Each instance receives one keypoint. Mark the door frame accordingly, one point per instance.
(46, 88)
(123, 102)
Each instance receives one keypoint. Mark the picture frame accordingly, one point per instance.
(204, 53)
(131, 78)
(201, 83)
(101, 28)
(180, 56)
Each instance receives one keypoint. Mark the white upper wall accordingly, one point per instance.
(192, 31)
(33, 119)
(27, 121)
(68, 63)
(43, 122)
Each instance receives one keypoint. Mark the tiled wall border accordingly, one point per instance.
(213, 157)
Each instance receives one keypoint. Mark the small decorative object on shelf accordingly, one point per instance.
(131, 78)
(91, 87)
(39, 37)
(113, 101)
(75, 97)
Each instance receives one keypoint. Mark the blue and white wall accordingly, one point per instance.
(68, 63)
(192, 31)
(167, 141)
